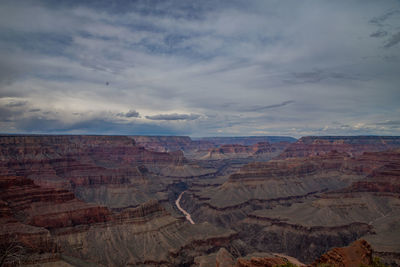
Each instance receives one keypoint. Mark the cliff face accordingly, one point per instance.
(353, 145)
(286, 178)
(70, 161)
(116, 150)
(47, 207)
(31, 212)
(384, 178)
(357, 254)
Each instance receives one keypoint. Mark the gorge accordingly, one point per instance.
(164, 201)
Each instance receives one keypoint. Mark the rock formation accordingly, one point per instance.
(247, 140)
(171, 143)
(353, 145)
(262, 150)
(357, 254)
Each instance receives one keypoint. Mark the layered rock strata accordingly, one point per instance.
(302, 206)
(353, 145)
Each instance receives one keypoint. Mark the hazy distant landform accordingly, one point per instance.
(77, 200)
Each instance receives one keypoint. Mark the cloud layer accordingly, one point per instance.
(200, 68)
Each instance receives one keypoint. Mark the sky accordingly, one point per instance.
(200, 68)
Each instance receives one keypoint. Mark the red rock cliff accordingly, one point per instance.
(357, 254)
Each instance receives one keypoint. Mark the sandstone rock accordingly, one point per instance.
(358, 253)
(258, 262)
(224, 259)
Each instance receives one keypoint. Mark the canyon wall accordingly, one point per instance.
(110, 200)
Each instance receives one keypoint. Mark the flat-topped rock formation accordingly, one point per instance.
(353, 145)
(258, 151)
(247, 140)
(171, 143)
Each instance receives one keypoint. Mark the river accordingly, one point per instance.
(178, 205)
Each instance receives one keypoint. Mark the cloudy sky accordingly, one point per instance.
(200, 68)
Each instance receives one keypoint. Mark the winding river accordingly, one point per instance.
(178, 205)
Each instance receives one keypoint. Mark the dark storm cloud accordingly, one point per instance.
(393, 40)
(93, 126)
(308, 77)
(173, 117)
(390, 122)
(379, 34)
(7, 115)
(8, 71)
(261, 108)
(382, 18)
(130, 114)
(317, 76)
(14, 104)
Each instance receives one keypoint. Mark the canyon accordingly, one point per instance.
(69, 200)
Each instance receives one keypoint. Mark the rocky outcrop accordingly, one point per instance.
(357, 254)
(353, 145)
(224, 259)
(257, 261)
